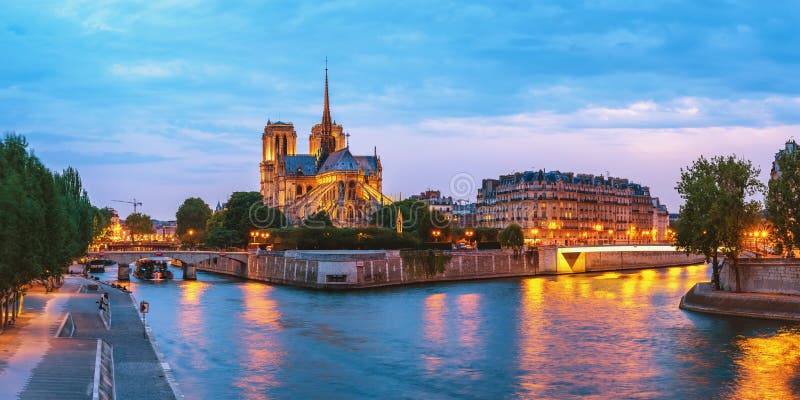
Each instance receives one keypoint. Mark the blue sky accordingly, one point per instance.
(166, 100)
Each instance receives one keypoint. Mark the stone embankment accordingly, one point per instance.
(702, 298)
(375, 268)
(770, 289)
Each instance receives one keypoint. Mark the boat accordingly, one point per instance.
(99, 265)
(152, 269)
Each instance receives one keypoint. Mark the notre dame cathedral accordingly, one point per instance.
(329, 178)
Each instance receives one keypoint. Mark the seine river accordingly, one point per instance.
(611, 335)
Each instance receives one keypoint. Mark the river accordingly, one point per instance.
(610, 335)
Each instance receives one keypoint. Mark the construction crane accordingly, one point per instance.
(134, 202)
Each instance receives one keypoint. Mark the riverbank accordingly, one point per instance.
(362, 269)
(64, 349)
(701, 298)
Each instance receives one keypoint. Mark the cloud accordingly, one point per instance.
(686, 112)
(148, 69)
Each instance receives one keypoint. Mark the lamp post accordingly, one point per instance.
(468, 233)
(191, 236)
(436, 233)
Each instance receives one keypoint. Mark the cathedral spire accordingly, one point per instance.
(326, 112)
(327, 141)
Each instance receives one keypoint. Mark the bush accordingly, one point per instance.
(330, 238)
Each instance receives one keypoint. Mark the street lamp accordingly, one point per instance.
(436, 234)
(610, 236)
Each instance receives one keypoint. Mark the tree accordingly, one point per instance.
(512, 237)
(716, 213)
(319, 219)
(139, 224)
(192, 216)
(783, 202)
(245, 212)
(216, 235)
(46, 220)
(417, 218)
(101, 220)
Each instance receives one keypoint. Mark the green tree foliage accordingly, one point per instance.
(319, 219)
(46, 220)
(783, 202)
(329, 238)
(139, 224)
(244, 212)
(512, 237)
(192, 215)
(716, 213)
(417, 218)
(101, 220)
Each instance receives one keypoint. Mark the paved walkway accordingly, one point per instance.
(25, 345)
(36, 365)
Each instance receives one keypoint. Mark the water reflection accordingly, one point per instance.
(618, 335)
(768, 367)
(434, 313)
(531, 345)
(470, 317)
(262, 353)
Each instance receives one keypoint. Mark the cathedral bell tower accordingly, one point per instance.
(278, 141)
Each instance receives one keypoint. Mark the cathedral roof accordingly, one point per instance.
(304, 163)
(368, 164)
(340, 160)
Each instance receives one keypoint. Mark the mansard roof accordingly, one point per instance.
(302, 163)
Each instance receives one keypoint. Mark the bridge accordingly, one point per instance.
(188, 258)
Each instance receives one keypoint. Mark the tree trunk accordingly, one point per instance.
(2, 314)
(735, 267)
(715, 273)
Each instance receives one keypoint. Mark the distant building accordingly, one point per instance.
(565, 208)
(460, 212)
(329, 178)
(789, 147)
(465, 214)
(164, 230)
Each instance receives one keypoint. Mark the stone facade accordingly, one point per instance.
(556, 208)
(329, 178)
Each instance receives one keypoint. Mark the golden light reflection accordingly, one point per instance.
(191, 322)
(532, 340)
(433, 326)
(263, 357)
(767, 367)
(608, 275)
(470, 317)
(191, 292)
(434, 323)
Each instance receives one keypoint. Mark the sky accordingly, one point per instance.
(167, 100)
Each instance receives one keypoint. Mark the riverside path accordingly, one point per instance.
(89, 360)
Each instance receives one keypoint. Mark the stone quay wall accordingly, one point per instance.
(363, 269)
(330, 269)
(566, 260)
(766, 275)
